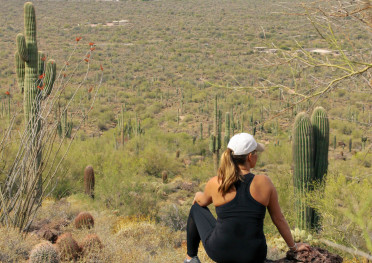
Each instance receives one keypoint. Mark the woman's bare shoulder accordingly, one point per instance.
(263, 180)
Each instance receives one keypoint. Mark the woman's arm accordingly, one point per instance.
(280, 222)
(204, 198)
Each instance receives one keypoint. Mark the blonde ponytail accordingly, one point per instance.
(228, 172)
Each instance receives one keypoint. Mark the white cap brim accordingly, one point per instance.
(260, 147)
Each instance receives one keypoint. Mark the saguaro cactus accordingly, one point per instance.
(303, 172)
(36, 82)
(66, 125)
(320, 123)
(121, 125)
(227, 127)
(89, 181)
(310, 156)
(215, 139)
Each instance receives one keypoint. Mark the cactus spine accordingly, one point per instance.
(310, 156)
(89, 181)
(35, 86)
(215, 139)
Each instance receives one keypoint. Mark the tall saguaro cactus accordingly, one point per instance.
(215, 138)
(303, 172)
(35, 81)
(319, 120)
(310, 156)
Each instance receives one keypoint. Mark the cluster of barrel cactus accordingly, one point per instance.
(310, 156)
(35, 80)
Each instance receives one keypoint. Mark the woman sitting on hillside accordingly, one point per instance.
(240, 199)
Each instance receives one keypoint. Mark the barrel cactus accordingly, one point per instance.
(84, 220)
(35, 80)
(164, 176)
(89, 181)
(44, 253)
(67, 247)
(91, 243)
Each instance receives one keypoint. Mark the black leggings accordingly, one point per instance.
(200, 224)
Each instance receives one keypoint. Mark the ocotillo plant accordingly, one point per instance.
(215, 139)
(35, 80)
(89, 181)
(21, 189)
(201, 131)
(310, 156)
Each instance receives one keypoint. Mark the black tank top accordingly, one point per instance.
(238, 236)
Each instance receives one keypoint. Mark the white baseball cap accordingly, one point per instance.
(244, 143)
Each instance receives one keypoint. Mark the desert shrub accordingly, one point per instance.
(345, 207)
(14, 246)
(173, 216)
(154, 160)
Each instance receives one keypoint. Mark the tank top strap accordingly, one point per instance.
(248, 178)
(243, 186)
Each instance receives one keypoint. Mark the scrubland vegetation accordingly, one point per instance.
(152, 81)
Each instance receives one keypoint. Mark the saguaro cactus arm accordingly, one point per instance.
(20, 70)
(50, 76)
(319, 120)
(21, 47)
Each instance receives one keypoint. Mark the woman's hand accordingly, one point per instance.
(196, 195)
(301, 247)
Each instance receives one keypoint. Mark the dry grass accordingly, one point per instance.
(124, 239)
(15, 247)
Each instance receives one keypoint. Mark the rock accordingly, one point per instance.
(38, 225)
(188, 186)
(52, 230)
(315, 255)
